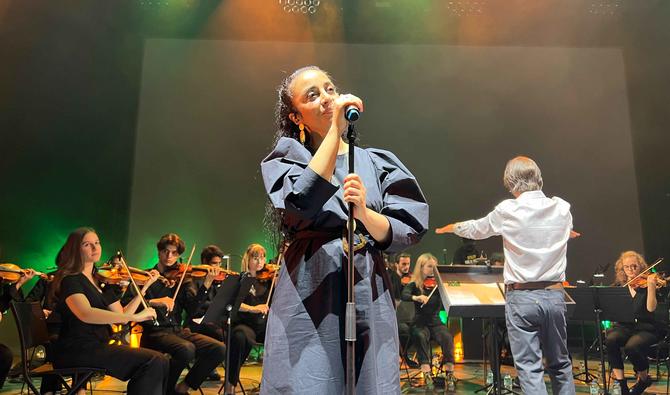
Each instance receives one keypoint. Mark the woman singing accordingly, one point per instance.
(309, 187)
(249, 328)
(634, 337)
(87, 312)
(427, 324)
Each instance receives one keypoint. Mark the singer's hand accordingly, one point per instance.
(574, 235)
(355, 192)
(446, 229)
(339, 106)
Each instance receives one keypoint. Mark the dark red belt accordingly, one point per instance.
(533, 285)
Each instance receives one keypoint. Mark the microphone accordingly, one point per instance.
(351, 113)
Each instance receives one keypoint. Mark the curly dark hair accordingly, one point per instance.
(273, 220)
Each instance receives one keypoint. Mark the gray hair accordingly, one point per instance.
(521, 175)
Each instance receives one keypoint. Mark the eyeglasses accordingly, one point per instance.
(630, 267)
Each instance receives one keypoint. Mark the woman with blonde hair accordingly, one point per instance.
(427, 324)
(635, 337)
(249, 327)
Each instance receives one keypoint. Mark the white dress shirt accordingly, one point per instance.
(535, 231)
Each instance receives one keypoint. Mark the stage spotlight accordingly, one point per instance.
(300, 6)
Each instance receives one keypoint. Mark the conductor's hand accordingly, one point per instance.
(355, 192)
(574, 235)
(144, 315)
(339, 105)
(446, 229)
(423, 299)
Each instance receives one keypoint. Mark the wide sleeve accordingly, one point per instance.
(290, 184)
(478, 229)
(403, 202)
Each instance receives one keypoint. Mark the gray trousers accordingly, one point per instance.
(536, 328)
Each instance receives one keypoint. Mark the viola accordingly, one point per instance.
(197, 271)
(11, 273)
(109, 274)
(405, 279)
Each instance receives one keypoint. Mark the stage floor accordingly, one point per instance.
(470, 378)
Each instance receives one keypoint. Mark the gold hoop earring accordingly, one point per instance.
(301, 126)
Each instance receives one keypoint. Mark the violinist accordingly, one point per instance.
(169, 336)
(427, 324)
(9, 292)
(635, 337)
(249, 328)
(207, 286)
(87, 312)
(400, 275)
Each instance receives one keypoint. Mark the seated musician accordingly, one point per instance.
(634, 337)
(427, 324)
(207, 288)
(169, 336)
(400, 276)
(87, 312)
(8, 293)
(466, 253)
(249, 328)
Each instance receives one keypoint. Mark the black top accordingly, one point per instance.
(428, 314)
(184, 301)
(396, 285)
(73, 330)
(203, 299)
(466, 252)
(8, 292)
(258, 294)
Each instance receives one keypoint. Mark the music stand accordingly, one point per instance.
(608, 303)
(583, 311)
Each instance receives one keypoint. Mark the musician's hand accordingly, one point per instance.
(446, 229)
(262, 309)
(423, 299)
(355, 192)
(144, 315)
(46, 312)
(212, 272)
(574, 235)
(28, 274)
(165, 301)
(651, 281)
(153, 276)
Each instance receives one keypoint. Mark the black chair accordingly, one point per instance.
(32, 328)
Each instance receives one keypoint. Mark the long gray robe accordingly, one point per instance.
(304, 346)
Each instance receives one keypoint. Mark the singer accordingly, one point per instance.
(309, 189)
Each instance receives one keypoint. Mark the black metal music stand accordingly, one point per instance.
(609, 304)
(583, 312)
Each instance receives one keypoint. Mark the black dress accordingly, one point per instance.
(427, 325)
(81, 344)
(248, 329)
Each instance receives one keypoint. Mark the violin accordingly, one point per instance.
(11, 273)
(114, 275)
(641, 282)
(197, 271)
(267, 272)
(405, 279)
(429, 283)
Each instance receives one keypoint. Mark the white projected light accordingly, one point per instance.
(300, 6)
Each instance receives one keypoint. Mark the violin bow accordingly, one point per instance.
(659, 260)
(135, 287)
(280, 258)
(183, 275)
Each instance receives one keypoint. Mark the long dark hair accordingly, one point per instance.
(274, 218)
(69, 260)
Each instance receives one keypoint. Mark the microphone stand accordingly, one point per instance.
(350, 312)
